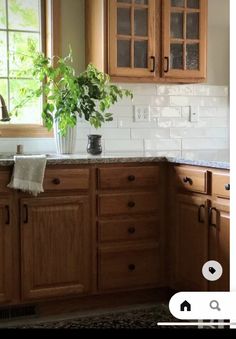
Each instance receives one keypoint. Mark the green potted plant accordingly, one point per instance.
(67, 96)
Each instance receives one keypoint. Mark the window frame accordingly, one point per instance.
(51, 42)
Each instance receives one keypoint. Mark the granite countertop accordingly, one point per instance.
(76, 159)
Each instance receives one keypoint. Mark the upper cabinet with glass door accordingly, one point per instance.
(131, 38)
(184, 39)
(148, 40)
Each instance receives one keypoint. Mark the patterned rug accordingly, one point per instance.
(140, 318)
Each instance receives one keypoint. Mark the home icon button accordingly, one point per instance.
(185, 306)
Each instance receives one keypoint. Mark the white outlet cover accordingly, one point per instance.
(194, 113)
(141, 113)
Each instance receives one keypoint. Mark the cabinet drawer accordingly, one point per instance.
(127, 203)
(221, 184)
(5, 177)
(128, 177)
(195, 180)
(66, 179)
(124, 268)
(131, 229)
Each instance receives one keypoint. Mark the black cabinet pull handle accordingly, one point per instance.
(187, 180)
(153, 64)
(131, 267)
(167, 59)
(199, 214)
(26, 218)
(131, 230)
(211, 209)
(131, 204)
(8, 215)
(227, 187)
(131, 177)
(56, 181)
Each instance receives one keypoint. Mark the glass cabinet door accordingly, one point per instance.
(132, 38)
(184, 30)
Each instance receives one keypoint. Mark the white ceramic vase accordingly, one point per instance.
(65, 144)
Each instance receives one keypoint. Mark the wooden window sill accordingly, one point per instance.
(24, 131)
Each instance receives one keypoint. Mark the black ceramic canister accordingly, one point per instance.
(94, 144)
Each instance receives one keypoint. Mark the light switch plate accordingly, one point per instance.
(194, 113)
(141, 113)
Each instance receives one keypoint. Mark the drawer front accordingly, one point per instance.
(128, 268)
(5, 177)
(126, 230)
(66, 179)
(127, 203)
(221, 184)
(195, 180)
(128, 177)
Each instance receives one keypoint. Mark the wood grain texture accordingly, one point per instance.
(127, 203)
(220, 179)
(6, 250)
(66, 179)
(130, 229)
(55, 247)
(197, 179)
(122, 267)
(128, 177)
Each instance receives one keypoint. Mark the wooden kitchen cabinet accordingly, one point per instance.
(191, 242)
(55, 240)
(219, 243)
(202, 224)
(6, 250)
(156, 41)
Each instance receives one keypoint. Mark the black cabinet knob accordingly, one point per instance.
(187, 180)
(131, 204)
(131, 177)
(131, 230)
(131, 267)
(227, 187)
(56, 181)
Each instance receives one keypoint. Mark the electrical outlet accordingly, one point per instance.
(141, 113)
(194, 113)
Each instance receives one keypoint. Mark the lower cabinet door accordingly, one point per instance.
(191, 247)
(6, 262)
(123, 267)
(55, 246)
(220, 243)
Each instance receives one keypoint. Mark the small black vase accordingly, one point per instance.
(94, 144)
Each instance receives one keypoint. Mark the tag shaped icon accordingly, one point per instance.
(212, 270)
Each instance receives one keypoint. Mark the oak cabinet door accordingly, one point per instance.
(184, 39)
(191, 242)
(131, 43)
(55, 258)
(6, 263)
(219, 243)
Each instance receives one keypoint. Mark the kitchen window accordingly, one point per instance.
(21, 21)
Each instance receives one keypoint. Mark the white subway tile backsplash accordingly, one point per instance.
(204, 144)
(175, 154)
(113, 133)
(198, 132)
(169, 131)
(142, 133)
(175, 90)
(162, 145)
(174, 122)
(123, 145)
(204, 90)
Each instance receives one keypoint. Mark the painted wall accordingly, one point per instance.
(218, 37)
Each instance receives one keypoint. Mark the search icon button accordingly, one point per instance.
(214, 305)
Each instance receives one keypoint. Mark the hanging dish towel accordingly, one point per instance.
(28, 173)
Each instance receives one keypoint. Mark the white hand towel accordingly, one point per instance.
(28, 173)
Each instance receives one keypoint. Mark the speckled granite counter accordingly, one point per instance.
(75, 159)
